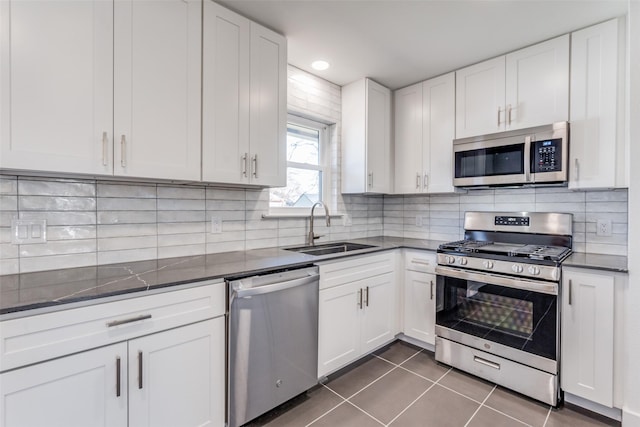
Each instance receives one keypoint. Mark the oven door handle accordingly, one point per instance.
(549, 288)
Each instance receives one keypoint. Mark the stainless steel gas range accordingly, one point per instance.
(497, 312)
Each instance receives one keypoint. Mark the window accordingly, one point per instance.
(306, 167)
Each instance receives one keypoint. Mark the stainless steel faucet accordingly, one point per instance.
(312, 237)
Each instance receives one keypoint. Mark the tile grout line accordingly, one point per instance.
(327, 412)
(411, 404)
(547, 419)
(365, 412)
(507, 415)
(481, 405)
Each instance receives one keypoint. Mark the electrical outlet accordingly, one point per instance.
(346, 221)
(418, 221)
(24, 231)
(603, 227)
(216, 225)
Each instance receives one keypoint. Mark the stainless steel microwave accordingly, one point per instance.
(524, 156)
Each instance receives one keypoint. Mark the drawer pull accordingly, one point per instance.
(139, 370)
(360, 298)
(131, 320)
(431, 282)
(486, 362)
(366, 301)
(413, 261)
(118, 376)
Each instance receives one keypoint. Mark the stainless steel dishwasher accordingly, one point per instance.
(273, 340)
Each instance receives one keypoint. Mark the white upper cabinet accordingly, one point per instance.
(526, 88)
(480, 98)
(56, 86)
(99, 87)
(537, 84)
(366, 138)
(597, 107)
(157, 88)
(425, 129)
(244, 100)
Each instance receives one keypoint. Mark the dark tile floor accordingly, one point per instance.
(402, 385)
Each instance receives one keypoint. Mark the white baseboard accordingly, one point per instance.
(613, 413)
(630, 418)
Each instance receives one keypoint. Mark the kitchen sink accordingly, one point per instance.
(329, 248)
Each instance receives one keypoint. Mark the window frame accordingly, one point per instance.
(323, 166)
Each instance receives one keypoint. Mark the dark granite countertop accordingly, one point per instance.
(32, 293)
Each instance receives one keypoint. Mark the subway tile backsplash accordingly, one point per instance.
(441, 217)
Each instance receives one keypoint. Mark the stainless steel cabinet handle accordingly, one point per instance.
(118, 376)
(370, 179)
(570, 292)
(417, 180)
(509, 114)
(105, 142)
(244, 164)
(499, 110)
(130, 320)
(413, 261)
(360, 298)
(431, 282)
(425, 182)
(486, 362)
(123, 151)
(254, 160)
(366, 300)
(139, 369)
(577, 164)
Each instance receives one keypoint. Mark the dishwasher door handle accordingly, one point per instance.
(260, 290)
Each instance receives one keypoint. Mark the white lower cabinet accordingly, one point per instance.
(355, 315)
(183, 366)
(79, 390)
(156, 360)
(419, 296)
(587, 352)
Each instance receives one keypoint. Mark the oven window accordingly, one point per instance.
(521, 319)
(503, 160)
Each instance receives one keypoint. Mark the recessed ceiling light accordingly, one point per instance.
(320, 65)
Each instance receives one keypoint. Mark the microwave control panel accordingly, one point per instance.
(546, 155)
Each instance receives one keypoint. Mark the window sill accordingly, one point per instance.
(299, 215)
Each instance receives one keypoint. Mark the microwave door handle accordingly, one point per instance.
(527, 159)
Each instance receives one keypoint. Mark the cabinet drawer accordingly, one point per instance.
(41, 337)
(346, 271)
(420, 261)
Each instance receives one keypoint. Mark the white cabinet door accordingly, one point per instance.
(338, 327)
(366, 138)
(379, 312)
(596, 140)
(56, 86)
(419, 306)
(480, 94)
(378, 135)
(408, 139)
(177, 377)
(225, 102)
(587, 335)
(79, 390)
(438, 112)
(537, 84)
(157, 88)
(268, 113)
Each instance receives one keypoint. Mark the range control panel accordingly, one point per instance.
(546, 155)
(522, 221)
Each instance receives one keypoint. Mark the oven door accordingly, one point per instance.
(515, 318)
(502, 161)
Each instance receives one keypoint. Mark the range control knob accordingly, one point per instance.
(534, 270)
(450, 259)
(462, 261)
(487, 264)
(517, 268)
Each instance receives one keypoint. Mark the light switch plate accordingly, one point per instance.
(603, 227)
(216, 225)
(26, 231)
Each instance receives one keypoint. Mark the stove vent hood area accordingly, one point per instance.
(536, 156)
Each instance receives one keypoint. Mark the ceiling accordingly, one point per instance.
(400, 42)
